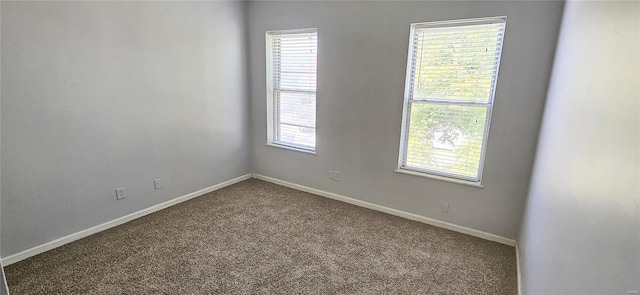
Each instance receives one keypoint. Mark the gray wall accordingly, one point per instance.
(98, 95)
(361, 73)
(581, 233)
(3, 282)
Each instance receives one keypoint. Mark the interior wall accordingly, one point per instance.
(100, 95)
(362, 57)
(581, 230)
(3, 282)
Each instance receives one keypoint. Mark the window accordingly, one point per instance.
(451, 81)
(291, 88)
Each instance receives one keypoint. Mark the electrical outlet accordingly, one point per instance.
(120, 193)
(444, 207)
(334, 175)
(157, 184)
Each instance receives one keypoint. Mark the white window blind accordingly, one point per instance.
(291, 91)
(451, 81)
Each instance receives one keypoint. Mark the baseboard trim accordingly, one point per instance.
(518, 269)
(399, 213)
(124, 219)
(115, 222)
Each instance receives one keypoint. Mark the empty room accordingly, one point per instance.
(320, 147)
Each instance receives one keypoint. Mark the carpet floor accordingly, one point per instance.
(256, 237)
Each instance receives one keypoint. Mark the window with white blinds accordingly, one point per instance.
(451, 81)
(291, 88)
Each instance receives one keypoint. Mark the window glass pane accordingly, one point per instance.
(446, 138)
(457, 63)
(296, 58)
(297, 118)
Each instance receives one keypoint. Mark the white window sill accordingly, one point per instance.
(441, 178)
(291, 148)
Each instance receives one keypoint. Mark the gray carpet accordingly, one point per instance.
(259, 238)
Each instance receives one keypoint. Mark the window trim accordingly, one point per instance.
(407, 102)
(271, 108)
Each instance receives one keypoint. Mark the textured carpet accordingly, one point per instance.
(259, 238)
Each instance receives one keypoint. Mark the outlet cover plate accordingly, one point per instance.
(444, 207)
(120, 194)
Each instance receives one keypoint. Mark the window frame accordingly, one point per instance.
(408, 101)
(272, 107)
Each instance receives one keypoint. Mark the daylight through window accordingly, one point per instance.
(291, 88)
(451, 81)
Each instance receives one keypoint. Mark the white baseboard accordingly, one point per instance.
(399, 213)
(518, 270)
(118, 221)
(124, 219)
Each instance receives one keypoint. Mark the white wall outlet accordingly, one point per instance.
(444, 207)
(120, 193)
(157, 184)
(334, 175)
